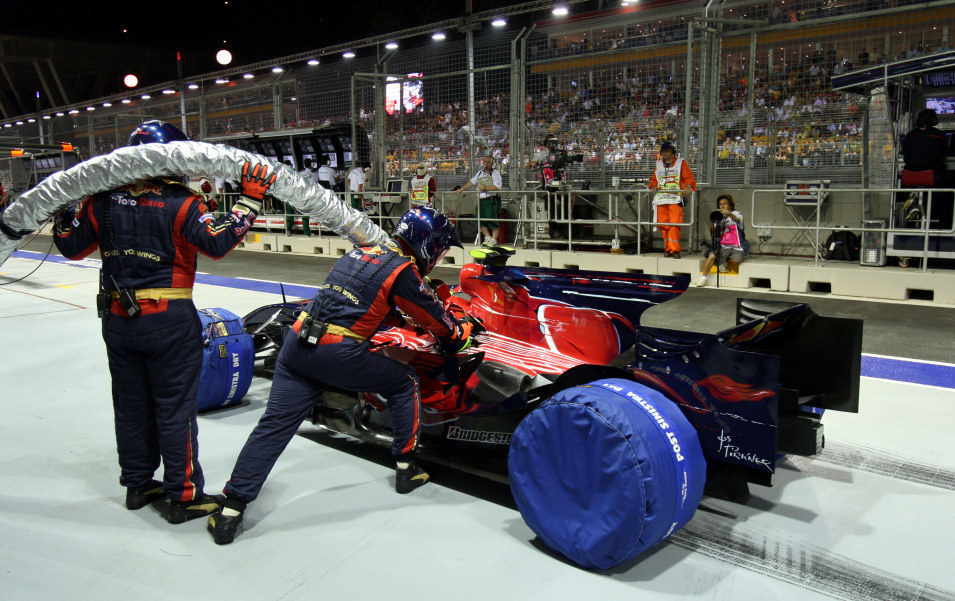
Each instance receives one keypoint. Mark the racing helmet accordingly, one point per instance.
(156, 131)
(427, 235)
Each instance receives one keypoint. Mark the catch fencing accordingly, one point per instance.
(742, 88)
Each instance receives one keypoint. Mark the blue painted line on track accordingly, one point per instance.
(908, 370)
(886, 368)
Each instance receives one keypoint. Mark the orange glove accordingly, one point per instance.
(461, 339)
(255, 184)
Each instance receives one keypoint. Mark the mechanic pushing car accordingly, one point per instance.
(148, 233)
(329, 346)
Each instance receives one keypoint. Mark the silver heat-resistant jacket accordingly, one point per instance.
(176, 159)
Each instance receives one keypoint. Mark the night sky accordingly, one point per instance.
(254, 31)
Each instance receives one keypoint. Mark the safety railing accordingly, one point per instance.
(923, 229)
(544, 217)
(540, 217)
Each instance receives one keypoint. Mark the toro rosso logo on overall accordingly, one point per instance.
(456, 433)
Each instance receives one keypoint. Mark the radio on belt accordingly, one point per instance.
(312, 331)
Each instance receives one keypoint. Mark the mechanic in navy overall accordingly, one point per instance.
(329, 346)
(148, 233)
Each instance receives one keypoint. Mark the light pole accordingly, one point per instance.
(182, 92)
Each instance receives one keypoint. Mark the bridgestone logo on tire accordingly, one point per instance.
(456, 433)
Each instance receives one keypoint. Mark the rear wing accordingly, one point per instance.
(756, 390)
(820, 357)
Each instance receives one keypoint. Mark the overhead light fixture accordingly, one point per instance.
(277, 69)
(391, 46)
(499, 22)
(248, 76)
(168, 92)
(74, 111)
(131, 81)
(348, 54)
(126, 101)
(19, 122)
(313, 61)
(47, 117)
(31, 120)
(223, 57)
(8, 125)
(560, 11)
(107, 104)
(222, 80)
(91, 108)
(193, 86)
(293, 98)
(438, 36)
(145, 96)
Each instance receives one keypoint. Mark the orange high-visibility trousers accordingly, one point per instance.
(671, 234)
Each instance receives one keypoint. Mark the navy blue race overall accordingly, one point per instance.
(358, 297)
(154, 358)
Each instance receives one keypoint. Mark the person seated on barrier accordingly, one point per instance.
(329, 346)
(728, 246)
(489, 183)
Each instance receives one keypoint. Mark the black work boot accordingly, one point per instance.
(409, 477)
(177, 512)
(226, 524)
(138, 497)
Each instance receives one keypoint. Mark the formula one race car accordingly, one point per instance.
(564, 384)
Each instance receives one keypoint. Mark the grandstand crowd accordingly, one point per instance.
(617, 112)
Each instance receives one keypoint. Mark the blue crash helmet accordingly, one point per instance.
(427, 235)
(156, 131)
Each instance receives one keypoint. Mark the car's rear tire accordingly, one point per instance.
(604, 471)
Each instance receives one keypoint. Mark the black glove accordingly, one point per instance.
(255, 184)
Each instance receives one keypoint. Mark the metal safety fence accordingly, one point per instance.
(742, 87)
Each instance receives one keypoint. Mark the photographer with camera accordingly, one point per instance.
(550, 163)
(671, 182)
(728, 245)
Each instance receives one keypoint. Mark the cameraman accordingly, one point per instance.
(728, 244)
(671, 182)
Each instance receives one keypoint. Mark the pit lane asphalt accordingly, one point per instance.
(911, 329)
